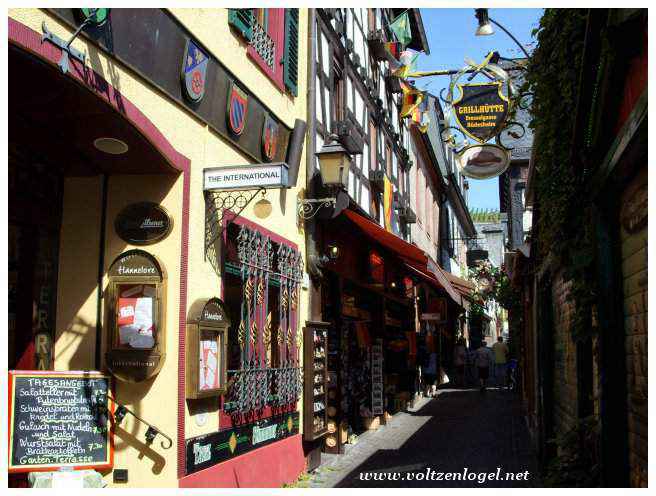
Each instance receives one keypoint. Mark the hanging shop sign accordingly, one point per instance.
(194, 72)
(483, 161)
(243, 177)
(207, 344)
(134, 308)
(481, 110)
(143, 223)
(210, 449)
(59, 420)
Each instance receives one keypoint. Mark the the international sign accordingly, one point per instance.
(481, 110)
(243, 177)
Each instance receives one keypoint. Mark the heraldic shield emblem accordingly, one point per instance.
(269, 138)
(237, 108)
(481, 110)
(194, 72)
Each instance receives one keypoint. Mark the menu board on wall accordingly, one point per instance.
(58, 419)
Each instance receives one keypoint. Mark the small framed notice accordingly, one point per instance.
(207, 342)
(59, 419)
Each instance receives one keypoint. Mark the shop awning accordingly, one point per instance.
(414, 257)
(387, 239)
(438, 279)
(462, 286)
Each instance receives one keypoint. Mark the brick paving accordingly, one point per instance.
(460, 428)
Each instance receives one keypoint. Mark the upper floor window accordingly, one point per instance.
(272, 36)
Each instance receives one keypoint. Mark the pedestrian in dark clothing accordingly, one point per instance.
(483, 358)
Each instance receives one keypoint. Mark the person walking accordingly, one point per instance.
(459, 361)
(500, 350)
(430, 375)
(483, 358)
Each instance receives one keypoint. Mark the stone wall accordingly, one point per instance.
(633, 235)
(564, 373)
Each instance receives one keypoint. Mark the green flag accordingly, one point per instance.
(401, 28)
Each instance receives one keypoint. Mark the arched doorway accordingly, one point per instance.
(58, 129)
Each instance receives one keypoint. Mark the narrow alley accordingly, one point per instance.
(461, 428)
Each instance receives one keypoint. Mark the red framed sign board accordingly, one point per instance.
(59, 419)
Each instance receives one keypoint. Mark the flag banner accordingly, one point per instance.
(393, 49)
(401, 29)
(412, 98)
(420, 116)
(388, 197)
(407, 61)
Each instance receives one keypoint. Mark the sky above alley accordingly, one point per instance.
(451, 38)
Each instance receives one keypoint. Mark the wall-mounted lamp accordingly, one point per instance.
(484, 26)
(120, 414)
(150, 434)
(334, 165)
(333, 252)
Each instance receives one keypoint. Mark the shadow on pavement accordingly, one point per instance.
(467, 429)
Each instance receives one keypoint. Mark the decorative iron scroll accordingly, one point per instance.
(216, 204)
(258, 383)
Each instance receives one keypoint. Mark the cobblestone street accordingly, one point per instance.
(459, 429)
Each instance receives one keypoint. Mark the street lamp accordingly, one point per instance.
(485, 28)
(334, 167)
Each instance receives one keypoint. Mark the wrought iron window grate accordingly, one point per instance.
(259, 382)
(263, 44)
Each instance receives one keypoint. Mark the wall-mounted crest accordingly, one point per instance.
(194, 72)
(237, 109)
(270, 131)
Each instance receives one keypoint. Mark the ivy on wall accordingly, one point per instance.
(492, 283)
(564, 224)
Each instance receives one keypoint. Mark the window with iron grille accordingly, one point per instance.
(261, 290)
(273, 39)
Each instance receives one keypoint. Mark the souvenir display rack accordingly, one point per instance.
(315, 379)
(377, 406)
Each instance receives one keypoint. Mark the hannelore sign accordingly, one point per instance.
(243, 177)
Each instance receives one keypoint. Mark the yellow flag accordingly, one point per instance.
(388, 195)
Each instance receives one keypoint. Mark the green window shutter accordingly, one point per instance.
(242, 21)
(290, 59)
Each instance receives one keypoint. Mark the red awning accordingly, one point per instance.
(435, 279)
(414, 257)
(386, 238)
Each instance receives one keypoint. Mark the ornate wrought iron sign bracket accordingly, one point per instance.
(308, 208)
(216, 205)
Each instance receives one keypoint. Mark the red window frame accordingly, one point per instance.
(276, 31)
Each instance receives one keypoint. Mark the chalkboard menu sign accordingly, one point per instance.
(58, 419)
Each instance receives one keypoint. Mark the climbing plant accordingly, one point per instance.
(492, 283)
(565, 227)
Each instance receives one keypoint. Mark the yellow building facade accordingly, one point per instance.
(130, 87)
